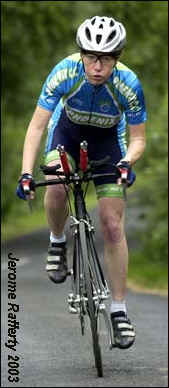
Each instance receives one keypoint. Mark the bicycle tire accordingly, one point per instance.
(77, 281)
(91, 305)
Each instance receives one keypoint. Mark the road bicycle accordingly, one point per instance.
(89, 288)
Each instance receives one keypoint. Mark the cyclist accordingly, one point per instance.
(91, 96)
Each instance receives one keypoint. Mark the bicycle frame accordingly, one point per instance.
(89, 287)
(76, 301)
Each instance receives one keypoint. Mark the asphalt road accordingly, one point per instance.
(51, 350)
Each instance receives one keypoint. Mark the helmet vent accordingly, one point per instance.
(111, 36)
(101, 26)
(120, 29)
(111, 23)
(98, 38)
(93, 21)
(88, 34)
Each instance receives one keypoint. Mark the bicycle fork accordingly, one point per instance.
(77, 301)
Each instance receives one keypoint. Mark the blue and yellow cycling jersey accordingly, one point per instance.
(98, 114)
(120, 98)
(100, 108)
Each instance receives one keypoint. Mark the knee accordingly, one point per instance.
(55, 195)
(112, 229)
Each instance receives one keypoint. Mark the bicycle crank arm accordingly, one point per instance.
(113, 346)
(108, 325)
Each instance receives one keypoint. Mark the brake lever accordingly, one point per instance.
(27, 195)
(124, 185)
(29, 202)
(123, 182)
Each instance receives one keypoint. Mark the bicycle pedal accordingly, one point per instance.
(69, 272)
(73, 310)
(112, 346)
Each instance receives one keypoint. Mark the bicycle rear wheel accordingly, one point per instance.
(91, 305)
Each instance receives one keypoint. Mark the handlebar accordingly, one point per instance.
(87, 169)
(53, 170)
(74, 177)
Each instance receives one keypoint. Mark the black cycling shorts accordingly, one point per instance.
(101, 142)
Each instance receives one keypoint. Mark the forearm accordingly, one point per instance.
(33, 139)
(31, 148)
(135, 150)
(137, 143)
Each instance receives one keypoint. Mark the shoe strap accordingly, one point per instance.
(57, 249)
(54, 263)
(54, 259)
(58, 245)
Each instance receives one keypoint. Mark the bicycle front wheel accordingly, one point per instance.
(91, 304)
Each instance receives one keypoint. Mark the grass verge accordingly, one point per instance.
(147, 275)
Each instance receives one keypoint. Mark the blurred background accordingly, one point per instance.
(38, 34)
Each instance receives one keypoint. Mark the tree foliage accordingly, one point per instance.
(37, 34)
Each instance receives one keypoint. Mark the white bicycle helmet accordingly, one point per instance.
(102, 34)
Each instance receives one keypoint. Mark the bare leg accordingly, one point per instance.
(116, 250)
(55, 202)
(116, 260)
(56, 208)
